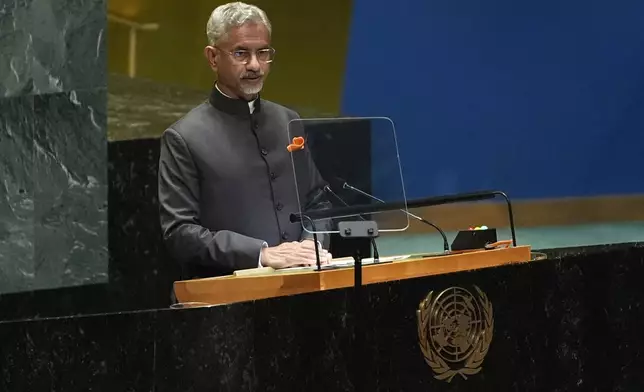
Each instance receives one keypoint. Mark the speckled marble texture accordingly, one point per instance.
(567, 324)
(17, 269)
(51, 46)
(53, 148)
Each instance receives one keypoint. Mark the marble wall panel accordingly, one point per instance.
(16, 47)
(70, 172)
(53, 146)
(51, 46)
(16, 194)
(67, 355)
(68, 45)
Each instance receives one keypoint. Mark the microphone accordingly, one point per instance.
(376, 255)
(413, 203)
(424, 202)
(319, 195)
(345, 185)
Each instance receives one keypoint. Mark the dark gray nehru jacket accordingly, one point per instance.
(226, 185)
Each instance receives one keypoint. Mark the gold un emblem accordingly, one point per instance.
(455, 331)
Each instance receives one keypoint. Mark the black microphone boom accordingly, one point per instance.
(345, 185)
(340, 212)
(396, 205)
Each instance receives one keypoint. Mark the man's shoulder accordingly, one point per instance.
(194, 121)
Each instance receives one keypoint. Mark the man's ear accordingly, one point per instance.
(211, 55)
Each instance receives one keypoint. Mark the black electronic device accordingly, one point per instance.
(474, 238)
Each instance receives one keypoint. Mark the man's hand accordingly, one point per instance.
(293, 254)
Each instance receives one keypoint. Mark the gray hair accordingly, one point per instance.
(231, 15)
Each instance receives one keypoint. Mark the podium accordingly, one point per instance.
(315, 312)
(571, 321)
(253, 285)
(336, 328)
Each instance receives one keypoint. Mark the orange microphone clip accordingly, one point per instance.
(298, 144)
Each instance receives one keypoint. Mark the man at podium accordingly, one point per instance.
(226, 184)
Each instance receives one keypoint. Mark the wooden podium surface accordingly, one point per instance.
(257, 284)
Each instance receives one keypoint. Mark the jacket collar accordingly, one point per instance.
(238, 107)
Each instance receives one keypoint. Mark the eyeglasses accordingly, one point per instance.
(244, 56)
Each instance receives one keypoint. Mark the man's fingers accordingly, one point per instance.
(311, 253)
(310, 246)
(302, 253)
(300, 261)
(288, 245)
(307, 244)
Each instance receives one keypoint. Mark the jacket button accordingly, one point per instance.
(264, 152)
(279, 206)
(273, 175)
(285, 236)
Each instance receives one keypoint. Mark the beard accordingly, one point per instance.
(251, 88)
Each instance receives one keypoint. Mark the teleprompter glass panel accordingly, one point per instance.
(347, 169)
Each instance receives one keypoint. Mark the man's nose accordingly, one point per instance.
(253, 63)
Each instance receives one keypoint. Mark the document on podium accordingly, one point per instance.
(344, 262)
(347, 170)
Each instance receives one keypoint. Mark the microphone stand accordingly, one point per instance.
(352, 230)
(442, 233)
(424, 202)
(376, 254)
(510, 215)
(315, 240)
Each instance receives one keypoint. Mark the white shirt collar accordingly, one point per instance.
(251, 104)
